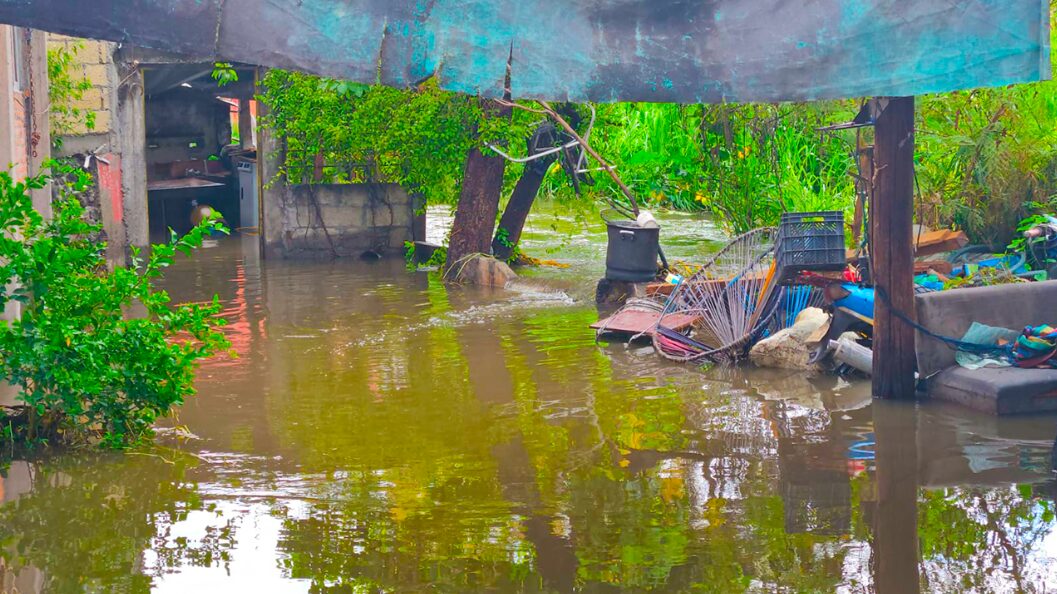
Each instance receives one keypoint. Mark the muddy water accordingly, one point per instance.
(380, 432)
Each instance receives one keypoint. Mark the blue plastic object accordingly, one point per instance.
(859, 300)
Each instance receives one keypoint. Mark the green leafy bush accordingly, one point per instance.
(87, 367)
(437, 259)
(343, 132)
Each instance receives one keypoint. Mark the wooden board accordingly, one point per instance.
(938, 242)
(929, 243)
(941, 266)
(642, 322)
(654, 289)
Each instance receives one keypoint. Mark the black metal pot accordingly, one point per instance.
(632, 251)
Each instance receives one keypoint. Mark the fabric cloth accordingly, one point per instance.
(1036, 347)
(990, 335)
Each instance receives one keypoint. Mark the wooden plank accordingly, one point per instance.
(941, 266)
(892, 237)
(656, 289)
(929, 243)
(642, 322)
(938, 242)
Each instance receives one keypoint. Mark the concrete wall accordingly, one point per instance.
(181, 116)
(116, 100)
(92, 61)
(356, 218)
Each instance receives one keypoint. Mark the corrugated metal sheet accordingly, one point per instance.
(601, 50)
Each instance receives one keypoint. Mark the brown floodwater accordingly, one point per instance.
(380, 432)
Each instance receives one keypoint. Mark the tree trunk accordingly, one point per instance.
(525, 192)
(482, 183)
(517, 210)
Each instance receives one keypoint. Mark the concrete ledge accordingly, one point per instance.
(1005, 391)
(950, 313)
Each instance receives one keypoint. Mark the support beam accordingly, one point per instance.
(892, 249)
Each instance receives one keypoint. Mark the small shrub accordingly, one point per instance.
(65, 90)
(85, 369)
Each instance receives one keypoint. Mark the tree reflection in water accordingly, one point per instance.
(393, 443)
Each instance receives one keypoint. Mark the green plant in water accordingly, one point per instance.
(86, 370)
(502, 235)
(435, 260)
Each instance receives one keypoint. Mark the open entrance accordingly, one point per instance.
(200, 149)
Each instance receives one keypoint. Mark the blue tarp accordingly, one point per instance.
(682, 51)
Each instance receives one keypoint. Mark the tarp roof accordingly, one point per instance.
(684, 51)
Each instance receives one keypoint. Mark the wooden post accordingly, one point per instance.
(892, 250)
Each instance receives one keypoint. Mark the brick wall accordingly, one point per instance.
(94, 61)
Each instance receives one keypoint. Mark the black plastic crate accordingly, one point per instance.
(809, 241)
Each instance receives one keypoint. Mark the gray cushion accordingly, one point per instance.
(1002, 391)
(950, 313)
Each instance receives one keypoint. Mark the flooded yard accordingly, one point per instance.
(380, 432)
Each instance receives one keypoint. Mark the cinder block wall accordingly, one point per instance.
(116, 100)
(356, 218)
(94, 61)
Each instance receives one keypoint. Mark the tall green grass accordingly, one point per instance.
(745, 164)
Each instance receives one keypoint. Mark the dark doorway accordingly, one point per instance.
(196, 156)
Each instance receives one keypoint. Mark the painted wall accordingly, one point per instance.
(25, 140)
(24, 135)
(356, 218)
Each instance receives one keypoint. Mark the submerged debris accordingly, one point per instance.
(790, 348)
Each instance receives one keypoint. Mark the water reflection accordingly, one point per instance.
(381, 432)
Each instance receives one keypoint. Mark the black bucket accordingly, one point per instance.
(632, 252)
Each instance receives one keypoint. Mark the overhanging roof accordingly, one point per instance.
(682, 51)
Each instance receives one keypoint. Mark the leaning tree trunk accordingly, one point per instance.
(482, 183)
(525, 192)
(517, 209)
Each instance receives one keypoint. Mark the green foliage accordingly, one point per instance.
(502, 235)
(656, 149)
(767, 160)
(984, 157)
(437, 259)
(224, 73)
(65, 90)
(83, 367)
(746, 164)
(1020, 243)
(343, 132)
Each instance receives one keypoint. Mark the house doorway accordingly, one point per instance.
(201, 149)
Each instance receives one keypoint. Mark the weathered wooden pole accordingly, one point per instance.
(891, 248)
